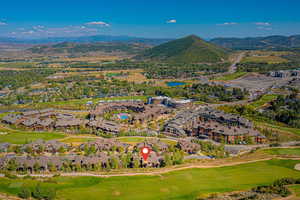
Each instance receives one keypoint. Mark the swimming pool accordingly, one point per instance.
(123, 116)
(174, 84)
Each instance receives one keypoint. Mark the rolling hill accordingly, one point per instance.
(256, 43)
(73, 48)
(85, 39)
(190, 49)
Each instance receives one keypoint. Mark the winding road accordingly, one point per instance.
(232, 68)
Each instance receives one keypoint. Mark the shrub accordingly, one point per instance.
(44, 193)
(10, 175)
(284, 181)
(280, 190)
(275, 145)
(25, 193)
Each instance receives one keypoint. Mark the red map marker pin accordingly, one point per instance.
(145, 151)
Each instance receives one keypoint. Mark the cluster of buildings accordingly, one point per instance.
(212, 124)
(101, 157)
(285, 73)
(169, 102)
(104, 145)
(137, 112)
(202, 122)
(44, 119)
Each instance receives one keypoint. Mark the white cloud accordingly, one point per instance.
(172, 21)
(100, 23)
(2, 23)
(262, 23)
(228, 24)
(28, 32)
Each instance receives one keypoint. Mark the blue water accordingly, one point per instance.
(123, 116)
(174, 84)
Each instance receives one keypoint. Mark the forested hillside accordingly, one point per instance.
(190, 49)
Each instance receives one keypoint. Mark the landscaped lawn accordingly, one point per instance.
(21, 137)
(186, 184)
(229, 77)
(283, 151)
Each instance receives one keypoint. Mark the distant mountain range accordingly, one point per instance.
(250, 43)
(85, 39)
(276, 42)
(190, 49)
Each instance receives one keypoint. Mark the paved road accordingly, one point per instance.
(232, 68)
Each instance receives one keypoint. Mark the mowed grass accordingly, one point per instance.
(265, 59)
(283, 151)
(22, 137)
(134, 140)
(229, 77)
(186, 184)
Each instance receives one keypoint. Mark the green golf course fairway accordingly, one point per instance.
(184, 184)
(22, 137)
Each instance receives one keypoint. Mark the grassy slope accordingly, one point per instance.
(267, 59)
(279, 127)
(263, 100)
(283, 151)
(190, 49)
(185, 184)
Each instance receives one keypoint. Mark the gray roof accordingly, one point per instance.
(11, 118)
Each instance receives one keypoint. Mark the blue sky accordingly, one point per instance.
(149, 18)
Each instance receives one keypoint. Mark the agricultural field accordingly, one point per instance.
(173, 185)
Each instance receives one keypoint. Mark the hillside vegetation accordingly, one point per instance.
(190, 49)
(276, 42)
(71, 47)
